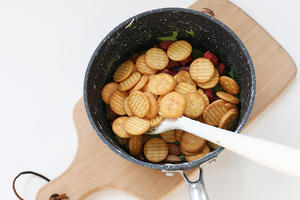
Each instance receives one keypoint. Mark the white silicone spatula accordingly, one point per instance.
(269, 154)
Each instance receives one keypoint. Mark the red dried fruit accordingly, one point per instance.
(172, 64)
(186, 61)
(165, 44)
(174, 149)
(212, 57)
(221, 67)
(209, 93)
(174, 72)
(165, 71)
(155, 46)
(184, 69)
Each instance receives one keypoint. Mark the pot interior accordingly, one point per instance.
(142, 32)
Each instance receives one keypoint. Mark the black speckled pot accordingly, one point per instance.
(141, 32)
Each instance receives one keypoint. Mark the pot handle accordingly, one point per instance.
(196, 188)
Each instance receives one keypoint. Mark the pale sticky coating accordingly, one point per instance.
(172, 105)
(203, 153)
(205, 98)
(156, 150)
(108, 90)
(229, 85)
(135, 145)
(156, 58)
(168, 136)
(142, 66)
(162, 84)
(118, 127)
(179, 50)
(195, 105)
(137, 126)
(229, 120)
(123, 71)
(127, 107)
(116, 102)
(212, 82)
(138, 103)
(143, 81)
(130, 82)
(185, 88)
(156, 120)
(228, 97)
(191, 143)
(184, 76)
(153, 109)
(214, 112)
(202, 70)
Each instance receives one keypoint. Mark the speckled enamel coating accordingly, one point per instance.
(141, 32)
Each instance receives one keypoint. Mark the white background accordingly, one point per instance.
(44, 50)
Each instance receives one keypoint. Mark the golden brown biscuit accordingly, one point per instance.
(179, 50)
(162, 84)
(156, 58)
(214, 112)
(205, 98)
(127, 107)
(130, 82)
(229, 85)
(229, 120)
(195, 105)
(135, 145)
(212, 145)
(172, 105)
(108, 90)
(156, 150)
(228, 97)
(178, 134)
(185, 88)
(142, 67)
(136, 126)
(168, 136)
(153, 109)
(118, 127)
(116, 102)
(186, 153)
(156, 120)
(191, 143)
(143, 81)
(212, 82)
(123, 71)
(138, 103)
(202, 70)
(230, 106)
(184, 76)
(203, 153)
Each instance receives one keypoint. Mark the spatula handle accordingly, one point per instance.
(269, 154)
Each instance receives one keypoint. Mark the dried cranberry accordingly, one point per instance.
(165, 44)
(172, 64)
(184, 69)
(212, 57)
(165, 71)
(155, 46)
(209, 93)
(221, 67)
(186, 61)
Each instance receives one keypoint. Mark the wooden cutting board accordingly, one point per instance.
(96, 167)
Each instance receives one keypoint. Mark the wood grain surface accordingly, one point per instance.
(96, 167)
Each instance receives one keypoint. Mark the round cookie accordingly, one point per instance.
(108, 90)
(212, 82)
(123, 71)
(138, 103)
(143, 81)
(205, 98)
(229, 85)
(203, 153)
(142, 66)
(202, 70)
(156, 150)
(156, 121)
(168, 136)
(184, 76)
(135, 145)
(136, 126)
(130, 82)
(214, 112)
(172, 105)
(195, 105)
(127, 107)
(156, 58)
(191, 143)
(228, 97)
(185, 88)
(116, 102)
(229, 120)
(118, 127)
(153, 109)
(179, 50)
(161, 84)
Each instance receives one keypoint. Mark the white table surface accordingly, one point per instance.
(44, 50)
